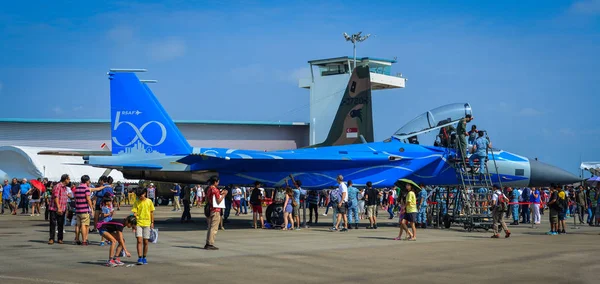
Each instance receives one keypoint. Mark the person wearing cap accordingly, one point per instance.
(498, 199)
(480, 152)
(152, 194)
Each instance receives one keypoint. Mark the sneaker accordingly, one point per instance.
(550, 233)
(118, 262)
(344, 230)
(51, 242)
(356, 227)
(144, 260)
(209, 247)
(495, 236)
(507, 234)
(333, 229)
(111, 263)
(554, 233)
(325, 215)
(140, 261)
(101, 244)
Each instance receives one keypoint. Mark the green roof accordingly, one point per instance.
(95, 120)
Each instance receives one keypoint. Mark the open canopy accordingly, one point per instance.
(592, 167)
(434, 119)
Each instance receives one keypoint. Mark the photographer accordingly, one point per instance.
(214, 213)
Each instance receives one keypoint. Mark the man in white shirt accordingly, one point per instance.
(237, 200)
(499, 204)
(342, 205)
(199, 195)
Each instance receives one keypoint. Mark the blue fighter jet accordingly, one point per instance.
(146, 144)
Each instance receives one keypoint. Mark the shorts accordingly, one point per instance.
(83, 219)
(236, 203)
(371, 210)
(16, 199)
(562, 216)
(142, 232)
(257, 209)
(296, 211)
(553, 216)
(34, 201)
(410, 217)
(118, 198)
(342, 209)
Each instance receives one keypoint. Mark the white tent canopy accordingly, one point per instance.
(593, 167)
(24, 162)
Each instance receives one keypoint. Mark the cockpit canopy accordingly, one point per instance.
(434, 119)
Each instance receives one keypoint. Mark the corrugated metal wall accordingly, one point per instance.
(92, 135)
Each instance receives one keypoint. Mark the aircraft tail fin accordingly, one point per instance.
(354, 117)
(139, 123)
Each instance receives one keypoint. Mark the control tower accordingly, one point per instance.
(328, 82)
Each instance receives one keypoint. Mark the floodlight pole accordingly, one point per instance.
(354, 39)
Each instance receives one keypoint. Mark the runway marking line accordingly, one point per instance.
(39, 280)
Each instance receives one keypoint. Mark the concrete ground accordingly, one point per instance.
(309, 255)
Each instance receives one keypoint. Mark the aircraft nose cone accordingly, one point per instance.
(543, 175)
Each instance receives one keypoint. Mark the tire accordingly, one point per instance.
(274, 214)
(447, 221)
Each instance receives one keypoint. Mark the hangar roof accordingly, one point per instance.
(94, 120)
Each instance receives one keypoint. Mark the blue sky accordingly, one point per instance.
(529, 69)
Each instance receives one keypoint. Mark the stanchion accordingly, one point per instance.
(575, 221)
(304, 225)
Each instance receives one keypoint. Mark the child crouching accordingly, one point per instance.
(113, 232)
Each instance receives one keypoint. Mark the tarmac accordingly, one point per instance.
(313, 254)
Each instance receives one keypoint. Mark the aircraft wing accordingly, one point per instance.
(129, 166)
(75, 153)
(289, 161)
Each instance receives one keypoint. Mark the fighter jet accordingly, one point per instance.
(146, 144)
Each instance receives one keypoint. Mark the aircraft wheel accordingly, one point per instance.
(274, 214)
(447, 221)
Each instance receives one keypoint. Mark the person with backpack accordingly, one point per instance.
(563, 204)
(499, 206)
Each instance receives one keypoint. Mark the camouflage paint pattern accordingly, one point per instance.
(355, 113)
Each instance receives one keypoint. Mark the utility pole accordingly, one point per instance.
(354, 39)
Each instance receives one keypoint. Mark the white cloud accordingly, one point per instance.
(168, 49)
(57, 110)
(590, 7)
(529, 112)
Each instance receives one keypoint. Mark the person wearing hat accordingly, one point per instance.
(152, 194)
(499, 204)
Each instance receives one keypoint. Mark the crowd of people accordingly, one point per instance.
(83, 204)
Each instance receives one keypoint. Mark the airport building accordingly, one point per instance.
(21, 139)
